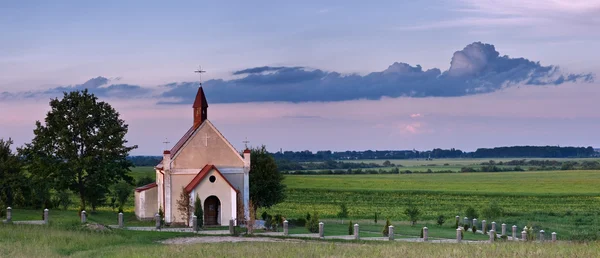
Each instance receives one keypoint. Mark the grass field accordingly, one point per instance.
(567, 202)
(42, 241)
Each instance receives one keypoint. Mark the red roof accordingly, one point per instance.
(200, 100)
(201, 175)
(146, 187)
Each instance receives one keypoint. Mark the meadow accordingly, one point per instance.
(49, 241)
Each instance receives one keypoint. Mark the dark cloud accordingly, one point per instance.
(99, 86)
(476, 69)
(261, 69)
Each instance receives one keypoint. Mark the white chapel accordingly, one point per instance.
(205, 165)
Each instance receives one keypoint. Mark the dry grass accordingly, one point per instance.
(42, 241)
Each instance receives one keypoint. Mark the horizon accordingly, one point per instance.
(461, 74)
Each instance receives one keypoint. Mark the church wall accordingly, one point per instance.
(237, 180)
(177, 182)
(221, 190)
(146, 203)
(199, 151)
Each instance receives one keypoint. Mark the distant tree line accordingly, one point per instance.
(498, 152)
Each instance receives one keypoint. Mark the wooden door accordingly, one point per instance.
(211, 210)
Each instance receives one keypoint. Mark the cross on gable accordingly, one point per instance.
(206, 137)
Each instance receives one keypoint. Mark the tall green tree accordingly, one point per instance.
(12, 178)
(80, 147)
(266, 182)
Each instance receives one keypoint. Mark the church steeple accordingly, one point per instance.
(200, 107)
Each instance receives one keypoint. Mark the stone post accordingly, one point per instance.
(466, 220)
(524, 235)
(391, 233)
(542, 233)
(474, 223)
(356, 236)
(121, 220)
(492, 235)
(425, 233)
(503, 229)
(321, 230)
(231, 227)
(83, 217)
(553, 236)
(8, 215)
(458, 234)
(514, 232)
(157, 220)
(483, 227)
(493, 226)
(285, 228)
(46, 216)
(195, 223)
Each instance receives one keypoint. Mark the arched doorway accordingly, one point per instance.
(212, 208)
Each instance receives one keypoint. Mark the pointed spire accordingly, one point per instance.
(200, 99)
(200, 108)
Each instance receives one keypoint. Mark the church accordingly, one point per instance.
(205, 165)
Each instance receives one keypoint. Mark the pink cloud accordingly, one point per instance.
(417, 115)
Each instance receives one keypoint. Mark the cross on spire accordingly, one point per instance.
(166, 142)
(200, 71)
(246, 142)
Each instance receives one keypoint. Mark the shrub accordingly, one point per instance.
(421, 233)
(466, 227)
(350, 228)
(504, 237)
(456, 223)
(300, 222)
(471, 213)
(440, 220)
(413, 213)
(312, 225)
(343, 211)
(264, 215)
(161, 214)
(474, 229)
(376, 217)
(199, 213)
(492, 211)
(386, 228)
(307, 216)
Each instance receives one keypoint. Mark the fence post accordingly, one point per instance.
(524, 235)
(356, 235)
(321, 228)
(8, 215)
(492, 235)
(425, 233)
(553, 236)
(46, 216)
(458, 234)
(542, 233)
(285, 228)
(157, 220)
(231, 227)
(391, 233)
(121, 220)
(83, 217)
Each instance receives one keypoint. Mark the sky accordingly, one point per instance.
(313, 75)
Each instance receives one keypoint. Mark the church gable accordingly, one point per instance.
(206, 146)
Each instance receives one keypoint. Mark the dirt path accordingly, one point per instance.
(222, 239)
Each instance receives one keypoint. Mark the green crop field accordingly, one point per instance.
(564, 201)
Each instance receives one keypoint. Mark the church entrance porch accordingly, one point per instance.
(212, 208)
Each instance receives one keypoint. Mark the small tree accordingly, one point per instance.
(386, 227)
(252, 217)
(413, 213)
(266, 181)
(440, 220)
(313, 224)
(161, 214)
(122, 192)
(471, 213)
(492, 211)
(64, 199)
(185, 206)
(343, 211)
(376, 213)
(199, 213)
(350, 228)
